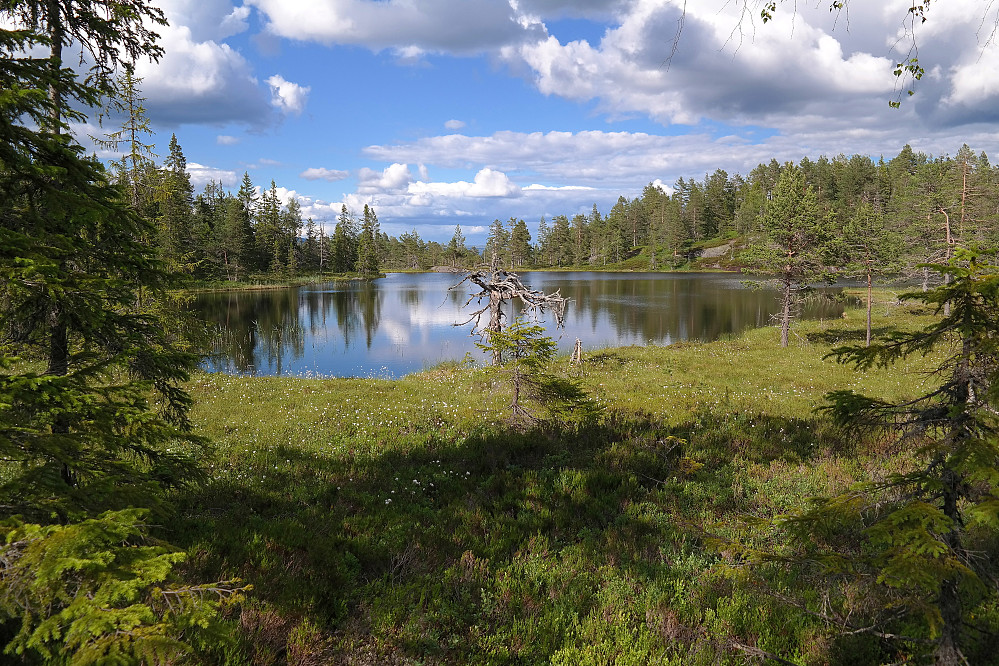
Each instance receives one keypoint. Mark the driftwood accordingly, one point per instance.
(496, 286)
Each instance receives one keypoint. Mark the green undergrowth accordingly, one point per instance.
(267, 282)
(411, 522)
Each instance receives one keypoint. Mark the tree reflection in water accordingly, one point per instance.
(405, 322)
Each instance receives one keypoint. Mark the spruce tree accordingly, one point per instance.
(268, 231)
(90, 444)
(456, 246)
(367, 243)
(792, 243)
(344, 243)
(176, 197)
(904, 559)
(136, 161)
(520, 242)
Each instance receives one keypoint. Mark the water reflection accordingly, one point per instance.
(405, 322)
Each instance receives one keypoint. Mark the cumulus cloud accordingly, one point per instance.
(454, 124)
(589, 158)
(464, 26)
(321, 173)
(208, 20)
(403, 201)
(394, 178)
(287, 96)
(226, 140)
(201, 175)
(200, 82)
(235, 22)
(487, 183)
(774, 72)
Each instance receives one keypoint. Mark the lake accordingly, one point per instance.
(406, 322)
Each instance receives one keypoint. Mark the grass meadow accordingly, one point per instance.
(413, 522)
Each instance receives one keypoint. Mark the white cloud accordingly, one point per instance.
(200, 82)
(487, 183)
(202, 175)
(321, 173)
(287, 96)
(235, 22)
(226, 140)
(563, 188)
(589, 158)
(454, 124)
(208, 20)
(464, 26)
(775, 73)
(395, 178)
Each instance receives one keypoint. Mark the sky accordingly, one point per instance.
(445, 112)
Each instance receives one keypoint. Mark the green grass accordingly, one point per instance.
(410, 522)
(266, 281)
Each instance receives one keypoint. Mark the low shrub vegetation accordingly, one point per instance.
(410, 521)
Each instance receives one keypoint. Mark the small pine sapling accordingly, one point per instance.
(527, 368)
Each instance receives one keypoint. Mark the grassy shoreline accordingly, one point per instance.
(625, 267)
(408, 521)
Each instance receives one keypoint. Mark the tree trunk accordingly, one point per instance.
(495, 322)
(950, 253)
(948, 652)
(869, 305)
(58, 344)
(785, 317)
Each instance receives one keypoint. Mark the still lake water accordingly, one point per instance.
(406, 322)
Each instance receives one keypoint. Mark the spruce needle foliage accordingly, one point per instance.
(90, 444)
(97, 592)
(907, 558)
(529, 354)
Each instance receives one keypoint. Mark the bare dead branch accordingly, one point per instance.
(496, 287)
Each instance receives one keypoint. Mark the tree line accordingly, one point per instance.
(922, 206)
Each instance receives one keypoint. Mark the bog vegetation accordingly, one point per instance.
(676, 505)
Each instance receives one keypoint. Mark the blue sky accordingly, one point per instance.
(444, 112)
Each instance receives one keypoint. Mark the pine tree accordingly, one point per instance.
(792, 242)
(562, 241)
(543, 250)
(870, 250)
(580, 237)
(498, 244)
